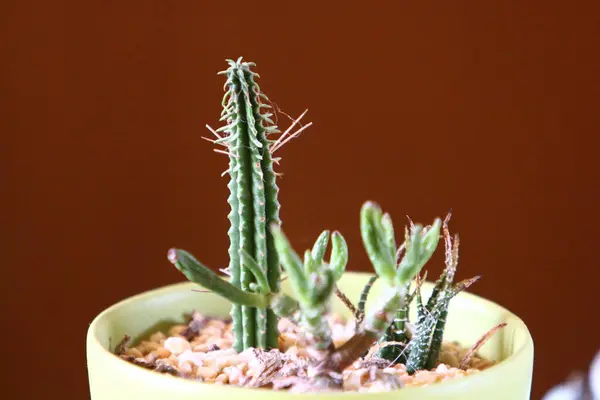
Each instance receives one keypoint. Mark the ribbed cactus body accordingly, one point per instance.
(253, 201)
(254, 267)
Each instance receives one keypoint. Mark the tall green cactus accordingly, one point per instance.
(253, 201)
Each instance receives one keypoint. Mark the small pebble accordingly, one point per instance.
(222, 378)
(209, 357)
(134, 353)
(206, 373)
(163, 353)
(177, 345)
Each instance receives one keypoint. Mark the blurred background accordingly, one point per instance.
(486, 108)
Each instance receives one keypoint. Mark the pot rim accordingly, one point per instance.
(124, 367)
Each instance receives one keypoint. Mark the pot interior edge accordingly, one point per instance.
(154, 310)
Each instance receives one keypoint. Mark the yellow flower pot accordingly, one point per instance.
(469, 317)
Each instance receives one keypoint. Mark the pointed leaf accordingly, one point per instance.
(198, 273)
(339, 255)
(320, 247)
(291, 262)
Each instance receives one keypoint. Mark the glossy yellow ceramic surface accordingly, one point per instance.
(470, 316)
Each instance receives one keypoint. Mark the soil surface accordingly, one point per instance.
(202, 351)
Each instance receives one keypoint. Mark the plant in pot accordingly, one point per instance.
(293, 325)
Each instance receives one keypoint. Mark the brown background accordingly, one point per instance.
(488, 108)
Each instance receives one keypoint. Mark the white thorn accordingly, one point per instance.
(225, 152)
(289, 129)
(293, 135)
(213, 141)
(213, 131)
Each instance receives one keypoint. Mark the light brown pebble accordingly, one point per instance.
(243, 367)
(193, 357)
(158, 337)
(285, 325)
(212, 332)
(227, 361)
(456, 372)
(422, 378)
(134, 353)
(202, 338)
(215, 323)
(236, 376)
(355, 379)
(177, 345)
(224, 343)
(442, 368)
(187, 367)
(170, 361)
(449, 359)
(161, 352)
(376, 387)
(222, 379)
(287, 340)
(177, 330)
(292, 351)
(146, 346)
(198, 358)
(400, 368)
(140, 360)
(206, 373)
(201, 348)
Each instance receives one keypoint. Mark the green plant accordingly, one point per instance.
(378, 237)
(419, 348)
(423, 350)
(258, 247)
(313, 281)
(253, 262)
